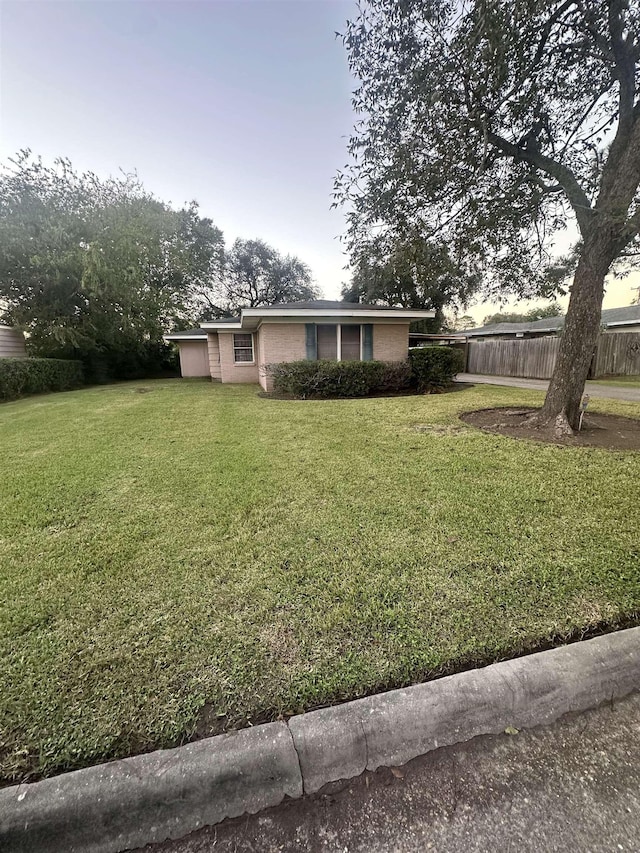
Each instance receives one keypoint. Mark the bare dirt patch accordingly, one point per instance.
(610, 432)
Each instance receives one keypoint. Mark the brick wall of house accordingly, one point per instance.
(391, 342)
(229, 370)
(214, 357)
(280, 342)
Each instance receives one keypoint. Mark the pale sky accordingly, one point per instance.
(243, 105)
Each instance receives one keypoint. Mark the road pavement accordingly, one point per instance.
(611, 392)
(573, 785)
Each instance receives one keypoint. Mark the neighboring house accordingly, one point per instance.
(613, 320)
(238, 349)
(11, 343)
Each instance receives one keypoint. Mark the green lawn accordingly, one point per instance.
(622, 381)
(196, 557)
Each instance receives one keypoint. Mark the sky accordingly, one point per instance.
(242, 105)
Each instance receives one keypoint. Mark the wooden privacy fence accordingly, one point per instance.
(617, 354)
(534, 358)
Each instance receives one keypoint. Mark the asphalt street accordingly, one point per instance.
(611, 392)
(571, 786)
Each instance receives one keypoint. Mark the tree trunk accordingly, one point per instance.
(561, 410)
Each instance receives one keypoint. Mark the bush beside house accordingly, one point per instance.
(323, 379)
(20, 377)
(434, 368)
(428, 369)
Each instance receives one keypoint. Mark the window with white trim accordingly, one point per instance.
(350, 343)
(243, 348)
(338, 340)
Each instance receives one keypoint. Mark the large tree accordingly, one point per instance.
(98, 269)
(493, 124)
(255, 274)
(411, 274)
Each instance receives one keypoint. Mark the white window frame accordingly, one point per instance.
(339, 339)
(253, 349)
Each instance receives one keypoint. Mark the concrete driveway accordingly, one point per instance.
(571, 786)
(612, 392)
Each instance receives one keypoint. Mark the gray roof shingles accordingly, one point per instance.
(628, 314)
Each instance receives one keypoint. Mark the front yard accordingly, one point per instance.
(178, 558)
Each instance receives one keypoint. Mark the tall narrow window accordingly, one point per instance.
(349, 343)
(327, 341)
(242, 349)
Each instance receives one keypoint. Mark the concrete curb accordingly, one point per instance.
(166, 794)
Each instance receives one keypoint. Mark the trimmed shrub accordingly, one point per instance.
(22, 376)
(433, 368)
(323, 379)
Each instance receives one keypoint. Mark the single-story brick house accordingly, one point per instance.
(237, 349)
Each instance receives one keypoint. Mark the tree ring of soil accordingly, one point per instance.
(608, 432)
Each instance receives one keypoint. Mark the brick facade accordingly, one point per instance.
(229, 370)
(279, 342)
(391, 341)
(214, 357)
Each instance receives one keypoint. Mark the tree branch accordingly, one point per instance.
(625, 66)
(564, 176)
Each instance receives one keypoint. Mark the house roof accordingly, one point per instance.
(629, 315)
(611, 317)
(196, 334)
(327, 304)
(311, 310)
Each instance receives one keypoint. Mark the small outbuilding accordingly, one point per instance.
(11, 343)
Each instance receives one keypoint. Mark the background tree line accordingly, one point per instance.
(99, 269)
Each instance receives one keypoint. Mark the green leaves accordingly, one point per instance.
(256, 274)
(485, 126)
(99, 269)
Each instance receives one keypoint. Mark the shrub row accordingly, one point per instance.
(322, 379)
(22, 376)
(428, 369)
(433, 368)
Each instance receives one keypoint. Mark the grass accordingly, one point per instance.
(622, 381)
(195, 557)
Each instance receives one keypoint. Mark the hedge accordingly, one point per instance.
(433, 368)
(323, 379)
(22, 376)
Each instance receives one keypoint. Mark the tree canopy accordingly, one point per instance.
(410, 274)
(99, 269)
(492, 125)
(551, 310)
(255, 274)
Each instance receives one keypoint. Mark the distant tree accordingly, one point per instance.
(410, 274)
(551, 310)
(255, 274)
(491, 125)
(459, 324)
(98, 269)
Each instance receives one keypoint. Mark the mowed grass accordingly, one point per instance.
(191, 557)
(621, 381)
